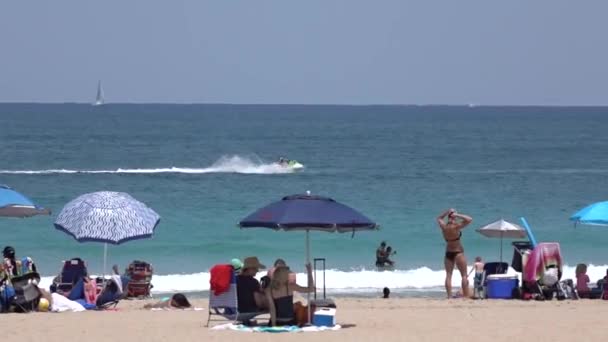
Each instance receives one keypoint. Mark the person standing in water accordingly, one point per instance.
(381, 254)
(451, 228)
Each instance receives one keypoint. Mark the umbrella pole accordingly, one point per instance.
(105, 257)
(501, 246)
(308, 261)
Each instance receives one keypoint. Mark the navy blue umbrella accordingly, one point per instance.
(307, 212)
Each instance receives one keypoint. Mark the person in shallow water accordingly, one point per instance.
(381, 254)
(451, 224)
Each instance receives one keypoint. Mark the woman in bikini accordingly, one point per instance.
(280, 295)
(454, 252)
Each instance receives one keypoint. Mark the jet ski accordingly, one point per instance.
(290, 164)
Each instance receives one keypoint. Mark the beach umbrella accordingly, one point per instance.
(306, 213)
(593, 214)
(14, 204)
(502, 229)
(108, 217)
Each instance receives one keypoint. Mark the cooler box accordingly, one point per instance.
(324, 317)
(500, 286)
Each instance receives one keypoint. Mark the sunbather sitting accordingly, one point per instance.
(178, 301)
(582, 284)
(124, 278)
(280, 295)
(278, 263)
(250, 296)
(12, 267)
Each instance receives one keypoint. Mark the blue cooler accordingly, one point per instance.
(324, 317)
(500, 286)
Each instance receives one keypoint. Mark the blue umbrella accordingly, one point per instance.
(108, 217)
(307, 212)
(594, 214)
(14, 204)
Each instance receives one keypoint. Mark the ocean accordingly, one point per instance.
(204, 167)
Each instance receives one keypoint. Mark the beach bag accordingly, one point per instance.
(301, 313)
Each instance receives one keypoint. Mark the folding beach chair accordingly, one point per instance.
(110, 294)
(72, 271)
(225, 305)
(27, 293)
(140, 279)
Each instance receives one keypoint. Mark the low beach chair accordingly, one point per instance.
(110, 294)
(543, 271)
(72, 271)
(225, 305)
(27, 293)
(140, 279)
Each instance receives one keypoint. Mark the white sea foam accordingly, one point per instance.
(226, 164)
(420, 279)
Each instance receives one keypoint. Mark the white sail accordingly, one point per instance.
(99, 100)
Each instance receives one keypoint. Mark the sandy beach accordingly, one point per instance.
(363, 320)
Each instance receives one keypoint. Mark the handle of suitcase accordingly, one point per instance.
(322, 262)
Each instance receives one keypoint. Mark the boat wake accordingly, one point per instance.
(226, 164)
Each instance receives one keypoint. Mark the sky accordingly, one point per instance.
(516, 52)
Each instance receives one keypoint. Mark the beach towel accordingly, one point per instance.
(544, 256)
(279, 329)
(174, 309)
(220, 278)
(62, 304)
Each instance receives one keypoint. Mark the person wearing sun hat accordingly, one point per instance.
(250, 296)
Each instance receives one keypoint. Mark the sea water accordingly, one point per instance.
(205, 167)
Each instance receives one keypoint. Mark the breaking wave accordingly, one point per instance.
(339, 281)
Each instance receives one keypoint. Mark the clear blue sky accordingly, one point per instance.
(551, 52)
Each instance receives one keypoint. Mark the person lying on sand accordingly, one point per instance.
(177, 301)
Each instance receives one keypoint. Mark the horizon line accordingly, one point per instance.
(471, 105)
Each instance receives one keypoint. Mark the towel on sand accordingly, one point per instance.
(287, 328)
(62, 304)
(173, 309)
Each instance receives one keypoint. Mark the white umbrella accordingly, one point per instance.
(502, 229)
(107, 217)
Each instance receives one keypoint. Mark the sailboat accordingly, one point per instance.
(99, 101)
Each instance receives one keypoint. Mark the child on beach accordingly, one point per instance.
(477, 285)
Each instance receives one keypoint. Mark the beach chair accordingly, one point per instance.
(140, 279)
(542, 271)
(225, 305)
(110, 294)
(27, 293)
(72, 271)
(489, 269)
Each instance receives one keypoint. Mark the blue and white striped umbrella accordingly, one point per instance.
(107, 216)
(14, 204)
